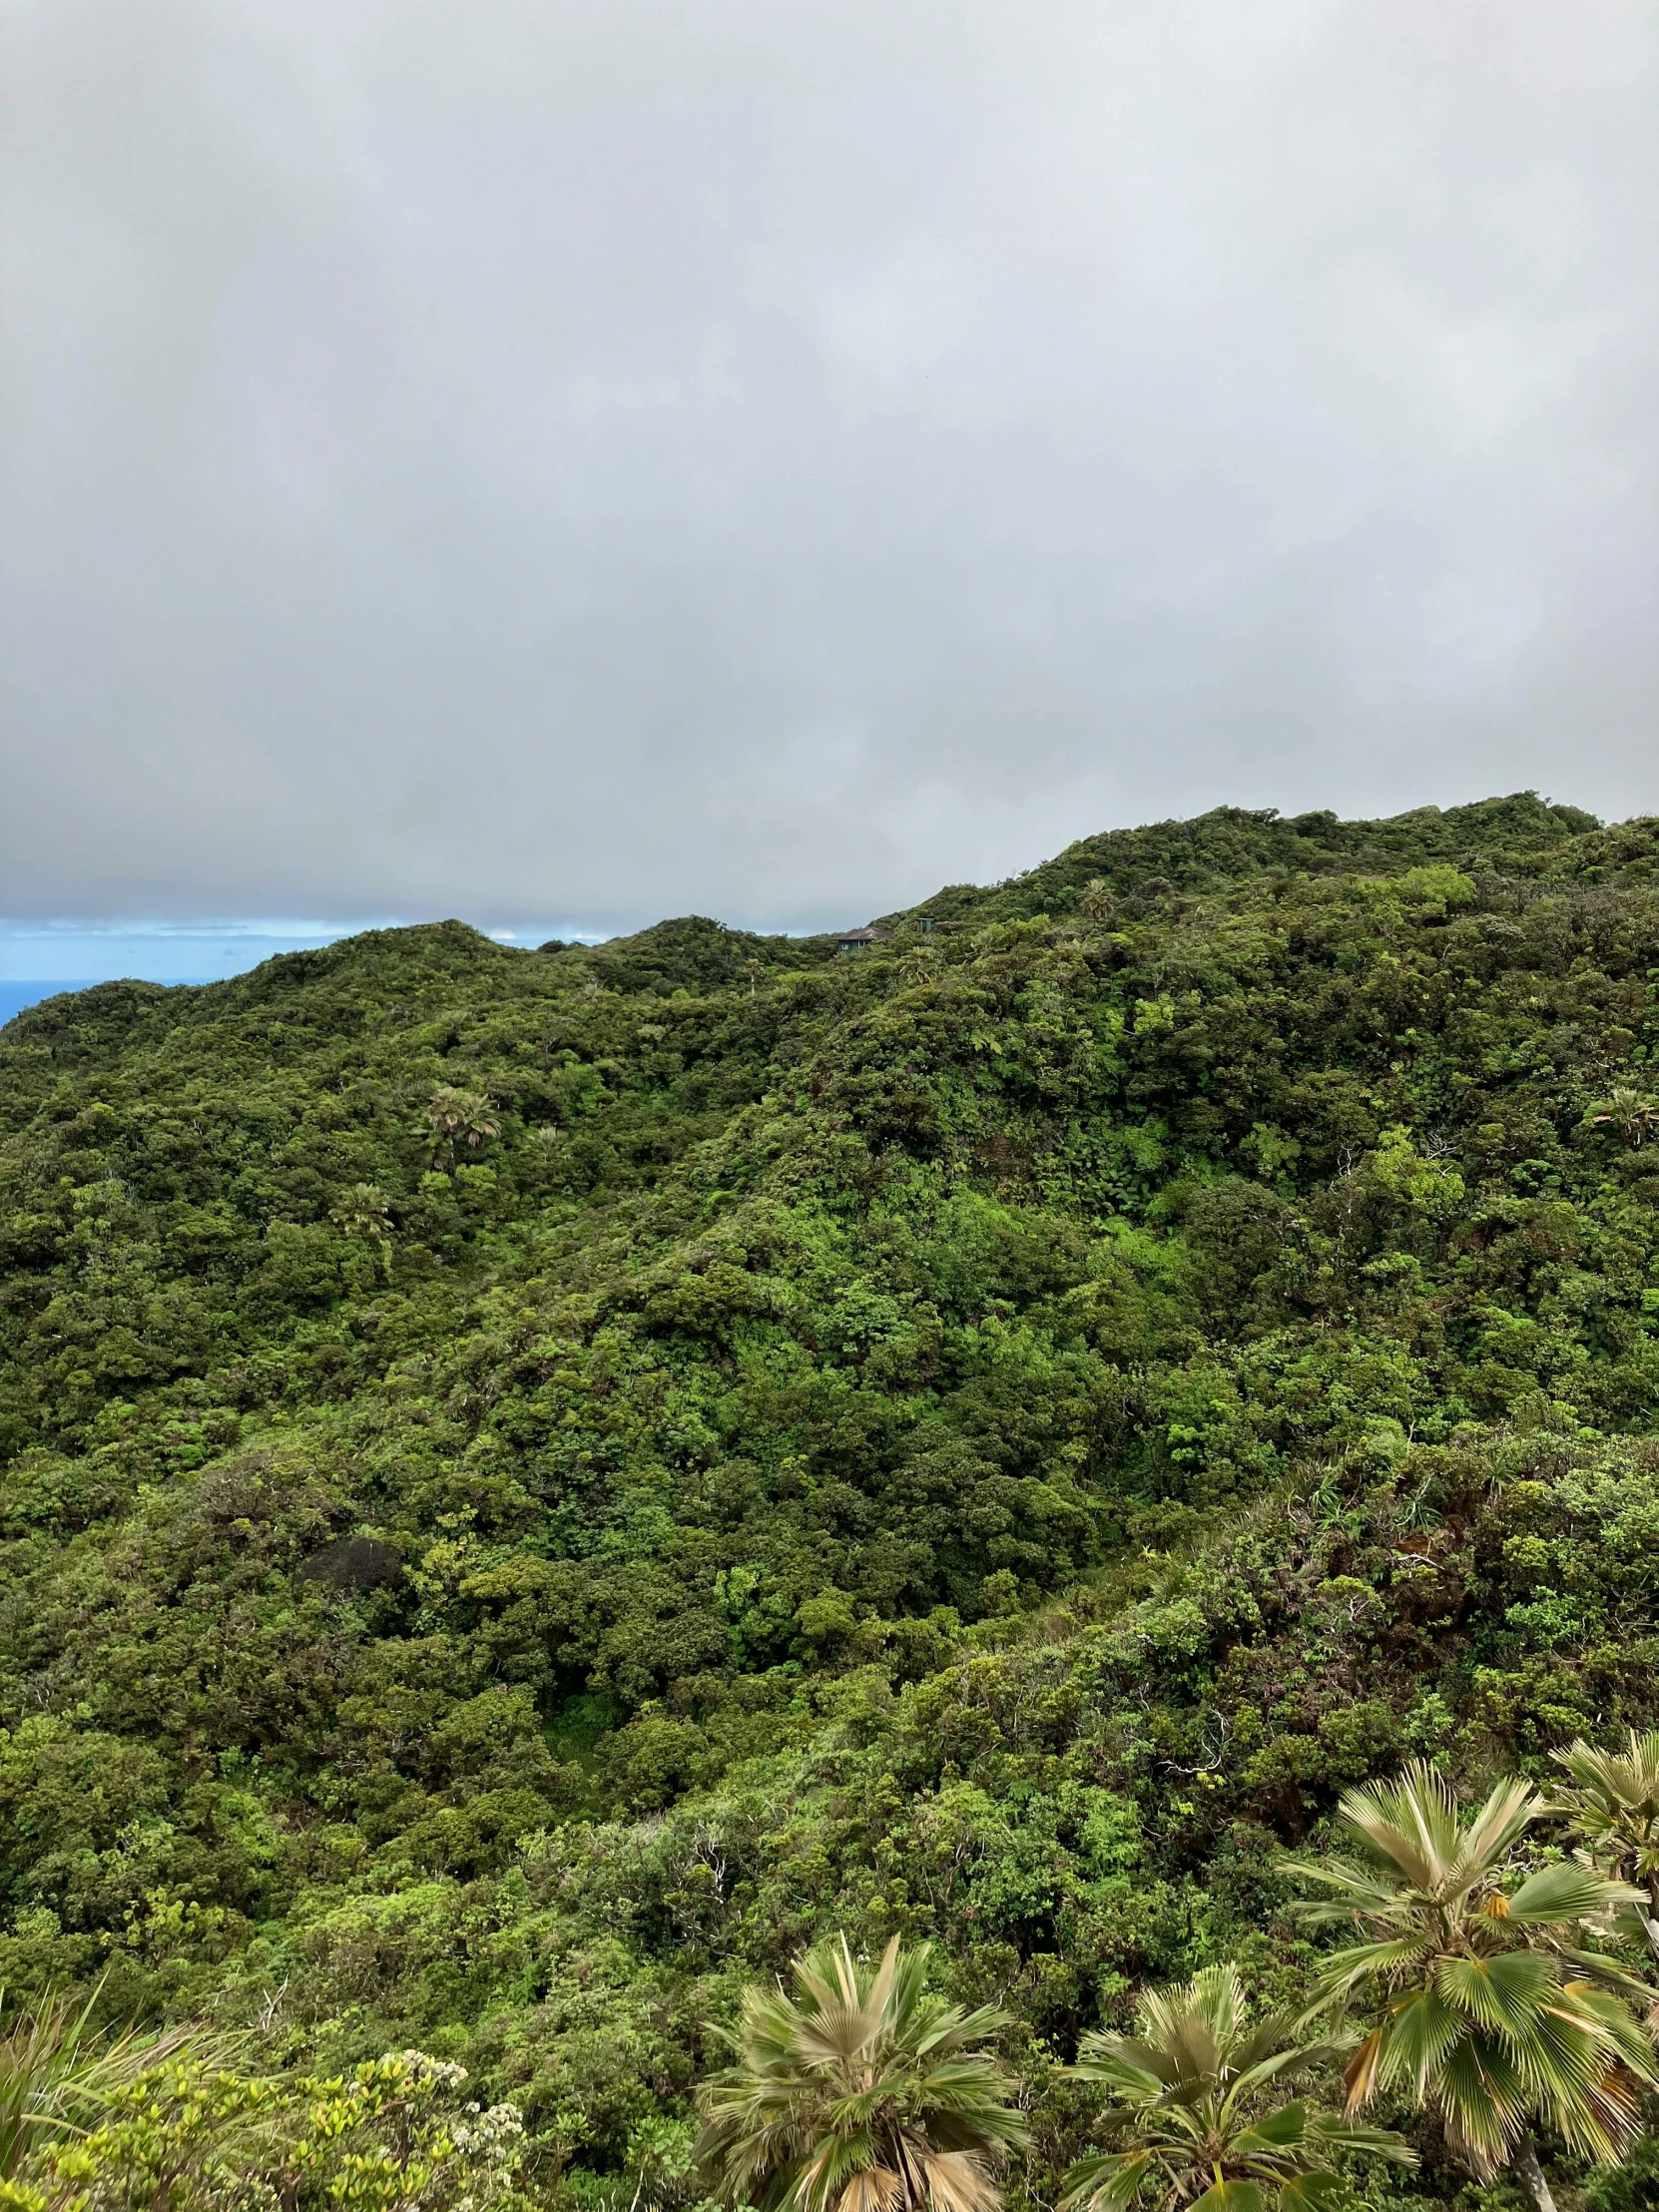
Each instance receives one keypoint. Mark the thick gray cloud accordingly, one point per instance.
(582, 459)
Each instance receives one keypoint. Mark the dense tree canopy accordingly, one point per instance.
(538, 1485)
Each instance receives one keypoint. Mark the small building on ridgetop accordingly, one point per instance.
(854, 940)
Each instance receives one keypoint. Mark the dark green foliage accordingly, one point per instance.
(983, 1437)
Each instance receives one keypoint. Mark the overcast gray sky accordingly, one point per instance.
(569, 461)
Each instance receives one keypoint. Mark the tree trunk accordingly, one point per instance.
(1650, 1922)
(1523, 2164)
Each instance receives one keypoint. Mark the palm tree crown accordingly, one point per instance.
(1199, 2113)
(862, 2093)
(1493, 2015)
(1613, 1802)
(1627, 1111)
(363, 1210)
(457, 1117)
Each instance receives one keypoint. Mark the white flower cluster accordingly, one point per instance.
(441, 2073)
(491, 2134)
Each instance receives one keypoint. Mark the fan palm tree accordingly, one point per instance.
(1613, 1802)
(1491, 2015)
(1626, 1110)
(860, 2092)
(364, 1210)
(457, 1117)
(364, 1214)
(1200, 2116)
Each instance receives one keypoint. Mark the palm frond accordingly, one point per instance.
(1358, 1963)
(1312, 2192)
(1409, 1823)
(1357, 1888)
(1557, 1896)
(1622, 1783)
(1483, 2105)
(871, 2189)
(1282, 2067)
(1629, 2038)
(1503, 1994)
(1107, 2182)
(1231, 2196)
(1335, 2131)
(1406, 2050)
(959, 2181)
(1497, 1825)
(1119, 2063)
(1282, 2129)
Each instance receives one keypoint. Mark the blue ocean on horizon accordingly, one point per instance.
(15, 996)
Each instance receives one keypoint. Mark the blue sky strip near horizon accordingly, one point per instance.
(41, 961)
(69, 952)
(14, 997)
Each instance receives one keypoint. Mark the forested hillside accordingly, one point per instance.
(536, 1484)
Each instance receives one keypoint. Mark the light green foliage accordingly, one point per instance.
(397, 2134)
(60, 2077)
(1436, 885)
